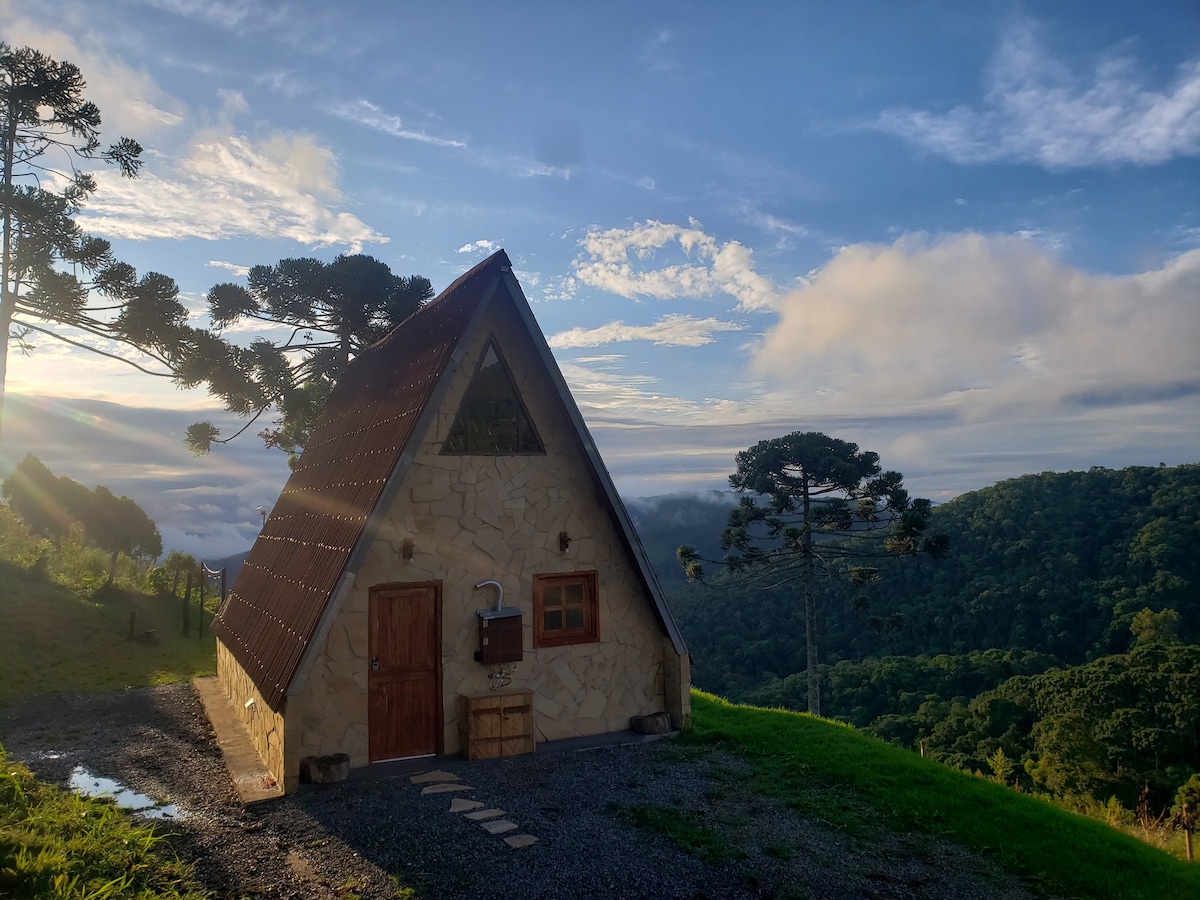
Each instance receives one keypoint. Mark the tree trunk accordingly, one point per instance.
(810, 640)
(1188, 827)
(112, 570)
(187, 602)
(8, 291)
(809, 575)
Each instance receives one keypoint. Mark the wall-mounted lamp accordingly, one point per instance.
(564, 541)
(406, 549)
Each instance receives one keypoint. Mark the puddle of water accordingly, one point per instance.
(84, 782)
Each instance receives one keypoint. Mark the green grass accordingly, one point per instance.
(54, 843)
(54, 640)
(831, 771)
(680, 827)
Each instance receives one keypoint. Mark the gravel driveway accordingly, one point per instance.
(373, 838)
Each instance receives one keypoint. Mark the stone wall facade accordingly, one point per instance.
(264, 725)
(472, 518)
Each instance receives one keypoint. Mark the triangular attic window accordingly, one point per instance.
(492, 419)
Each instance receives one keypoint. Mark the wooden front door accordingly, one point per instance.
(404, 717)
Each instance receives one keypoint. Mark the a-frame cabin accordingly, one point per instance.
(450, 454)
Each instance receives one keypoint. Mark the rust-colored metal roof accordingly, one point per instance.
(295, 565)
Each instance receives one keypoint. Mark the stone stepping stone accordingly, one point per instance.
(518, 841)
(445, 788)
(458, 804)
(484, 814)
(500, 826)
(427, 777)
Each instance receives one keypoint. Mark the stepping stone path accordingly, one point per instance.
(445, 788)
(490, 820)
(500, 826)
(430, 777)
(483, 814)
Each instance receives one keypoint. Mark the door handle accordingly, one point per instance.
(374, 663)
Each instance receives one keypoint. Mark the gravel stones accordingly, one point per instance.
(355, 837)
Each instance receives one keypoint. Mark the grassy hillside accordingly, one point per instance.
(835, 773)
(53, 640)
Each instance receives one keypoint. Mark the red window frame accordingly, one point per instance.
(566, 609)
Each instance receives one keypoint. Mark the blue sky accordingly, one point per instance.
(965, 236)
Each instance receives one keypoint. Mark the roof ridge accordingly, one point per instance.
(497, 261)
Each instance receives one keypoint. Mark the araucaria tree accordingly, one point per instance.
(817, 507)
(333, 311)
(55, 280)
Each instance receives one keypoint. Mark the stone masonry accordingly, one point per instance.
(473, 518)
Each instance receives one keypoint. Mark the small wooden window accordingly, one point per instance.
(565, 609)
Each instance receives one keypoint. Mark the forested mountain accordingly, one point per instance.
(1058, 564)
(665, 522)
(1056, 645)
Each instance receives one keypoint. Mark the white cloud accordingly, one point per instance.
(615, 263)
(238, 270)
(1055, 242)
(669, 331)
(233, 102)
(229, 185)
(979, 325)
(660, 53)
(222, 184)
(479, 247)
(561, 287)
(129, 100)
(534, 168)
(776, 224)
(364, 112)
(616, 393)
(1036, 110)
(228, 14)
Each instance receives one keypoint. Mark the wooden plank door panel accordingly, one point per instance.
(404, 684)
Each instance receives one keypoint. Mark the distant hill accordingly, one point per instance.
(1061, 630)
(231, 564)
(666, 521)
(1056, 563)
